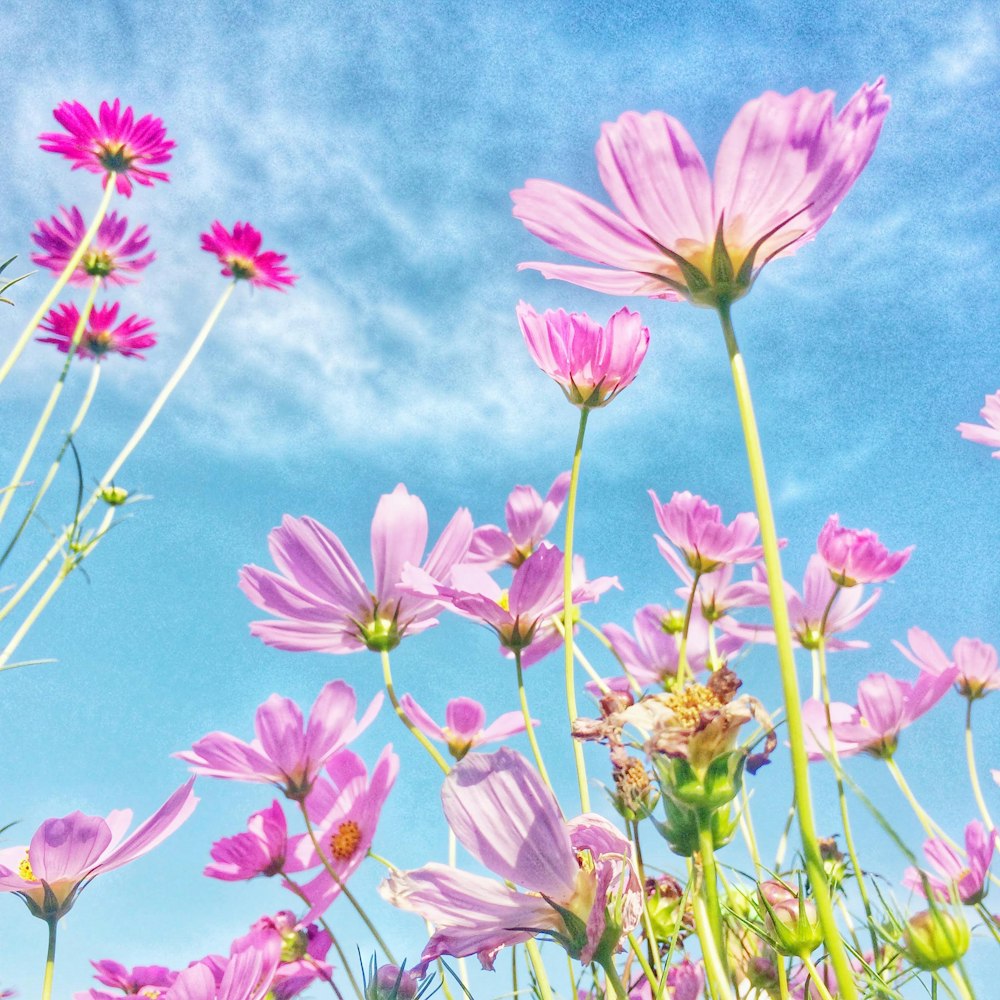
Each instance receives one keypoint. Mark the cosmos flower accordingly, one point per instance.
(115, 145)
(857, 556)
(113, 255)
(783, 167)
(242, 259)
(465, 724)
(974, 661)
(247, 974)
(965, 875)
(304, 948)
(990, 434)
(265, 849)
(100, 336)
(143, 981)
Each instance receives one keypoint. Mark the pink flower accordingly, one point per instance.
(716, 592)
(116, 144)
(857, 556)
(966, 876)
(974, 661)
(143, 980)
(782, 169)
(247, 975)
(65, 855)
(985, 435)
(112, 255)
(345, 811)
(391, 982)
(465, 725)
(242, 259)
(283, 754)
(304, 948)
(529, 520)
(100, 337)
(323, 601)
(266, 849)
(508, 820)
(696, 528)
(591, 363)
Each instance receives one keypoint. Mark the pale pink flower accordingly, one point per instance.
(716, 592)
(591, 363)
(113, 255)
(116, 144)
(783, 167)
(66, 854)
(529, 520)
(101, 336)
(284, 754)
(265, 849)
(965, 875)
(989, 435)
(506, 817)
(857, 556)
(974, 660)
(242, 259)
(247, 974)
(465, 724)
(143, 981)
(320, 596)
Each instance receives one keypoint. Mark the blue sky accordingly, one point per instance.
(376, 145)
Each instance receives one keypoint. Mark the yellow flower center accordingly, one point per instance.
(98, 263)
(152, 992)
(115, 157)
(345, 840)
(24, 869)
(688, 704)
(242, 267)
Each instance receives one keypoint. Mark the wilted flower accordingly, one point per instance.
(966, 876)
(242, 259)
(857, 556)
(989, 435)
(465, 724)
(100, 336)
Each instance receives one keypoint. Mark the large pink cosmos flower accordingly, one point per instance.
(242, 259)
(965, 875)
(465, 724)
(66, 854)
(265, 849)
(247, 974)
(990, 434)
(116, 144)
(304, 948)
(142, 981)
(101, 336)
(112, 256)
(321, 597)
(974, 662)
(283, 754)
(857, 556)
(782, 169)
(582, 887)
(591, 363)
(529, 520)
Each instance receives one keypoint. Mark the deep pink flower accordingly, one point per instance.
(529, 520)
(285, 754)
(304, 948)
(782, 169)
(696, 528)
(591, 363)
(465, 724)
(966, 875)
(974, 661)
(65, 855)
(114, 144)
(242, 259)
(857, 556)
(324, 602)
(100, 336)
(266, 849)
(247, 974)
(143, 981)
(989, 435)
(113, 255)
(507, 819)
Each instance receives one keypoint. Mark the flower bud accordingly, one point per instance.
(790, 919)
(390, 982)
(833, 861)
(114, 496)
(934, 939)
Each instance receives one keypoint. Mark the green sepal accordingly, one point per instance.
(722, 265)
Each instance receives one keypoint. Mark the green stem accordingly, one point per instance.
(714, 969)
(50, 961)
(960, 984)
(538, 967)
(682, 660)
(786, 664)
(71, 265)
(815, 977)
(405, 719)
(970, 755)
(710, 880)
(749, 834)
(647, 919)
(779, 962)
(612, 973)
(574, 482)
(930, 827)
(529, 728)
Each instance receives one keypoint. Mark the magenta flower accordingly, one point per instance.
(964, 876)
(782, 169)
(857, 556)
(591, 363)
(283, 754)
(696, 528)
(507, 819)
(323, 601)
(143, 980)
(885, 707)
(100, 336)
(66, 854)
(345, 811)
(116, 144)
(989, 435)
(974, 662)
(242, 259)
(247, 974)
(391, 982)
(266, 849)
(113, 254)
(529, 520)
(304, 948)
(465, 725)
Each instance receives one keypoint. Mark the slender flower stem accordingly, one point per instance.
(779, 961)
(463, 971)
(633, 683)
(961, 985)
(612, 973)
(405, 719)
(385, 862)
(582, 660)
(682, 661)
(749, 834)
(816, 978)
(574, 482)
(991, 924)
(710, 881)
(22, 340)
(530, 729)
(50, 961)
(715, 971)
(930, 827)
(50, 405)
(786, 664)
(970, 754)
(647, 918)
(538, 967)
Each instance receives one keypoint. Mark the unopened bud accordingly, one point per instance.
(790, 919)
(390, 982)
(114, 496)
(934, 939)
